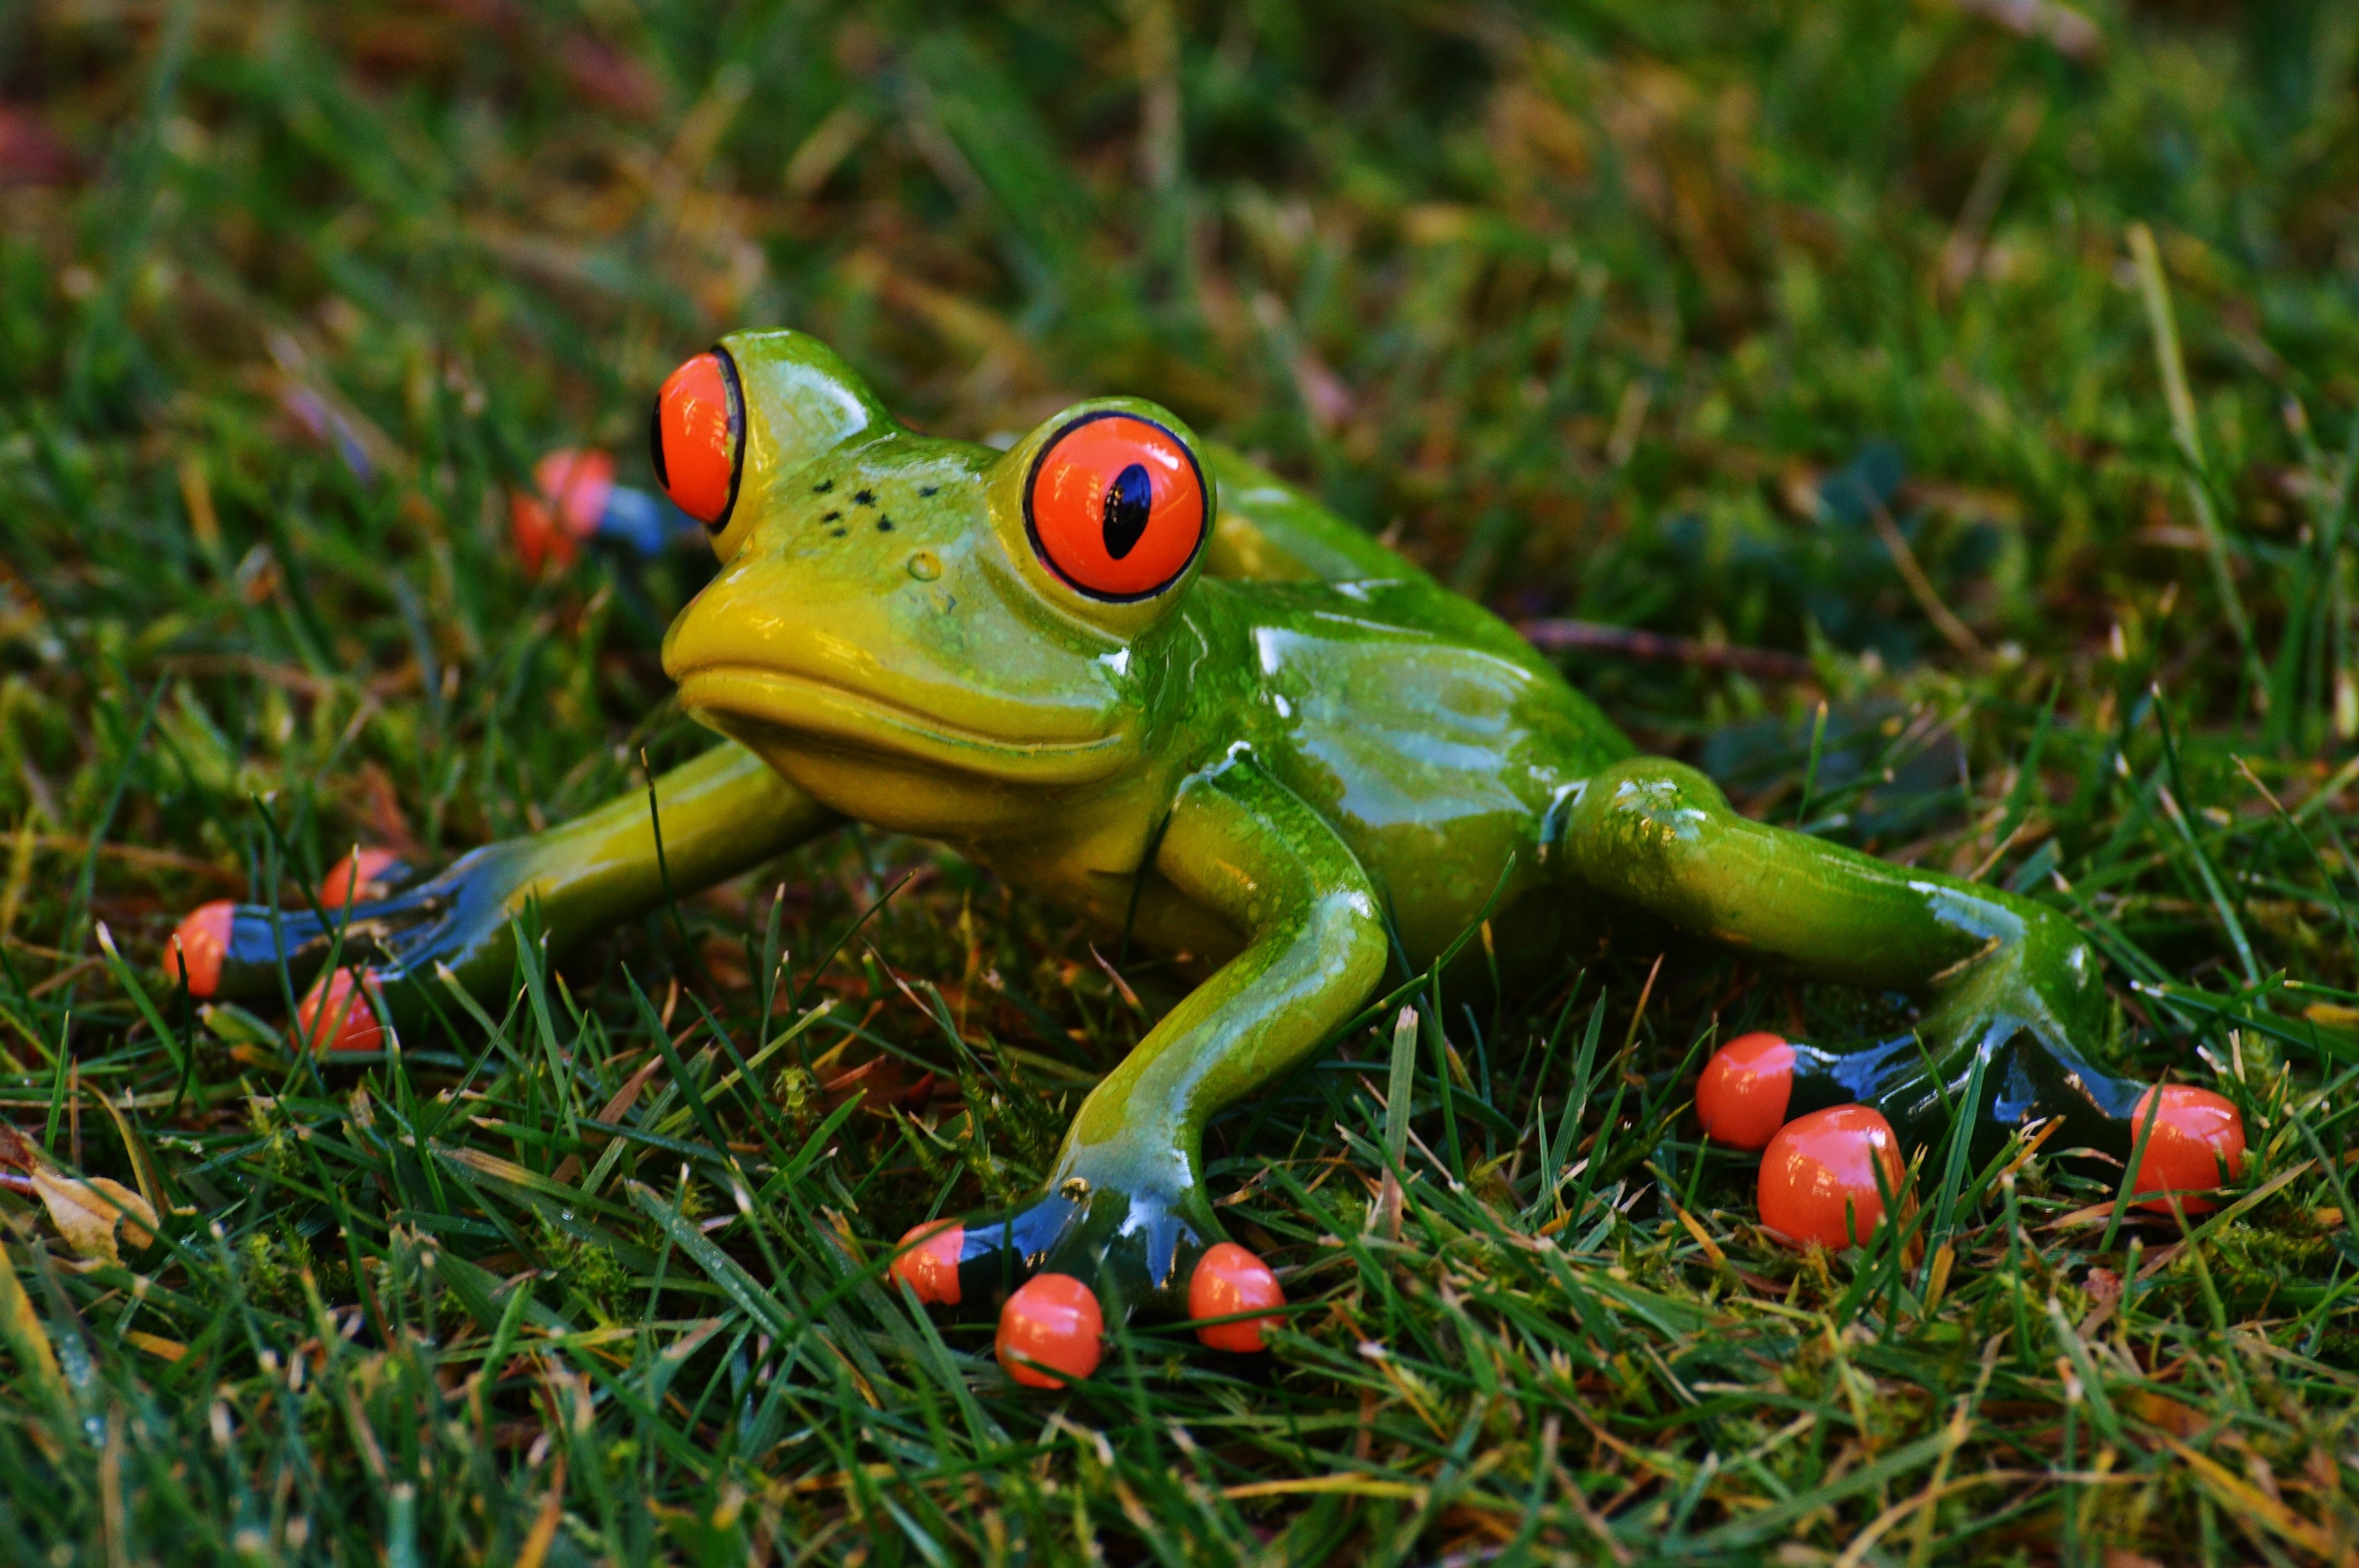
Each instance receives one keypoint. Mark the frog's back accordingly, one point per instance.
(1432, 737)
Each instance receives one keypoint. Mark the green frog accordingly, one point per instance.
(1129, 670)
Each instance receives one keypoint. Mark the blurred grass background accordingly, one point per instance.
(1984, 372)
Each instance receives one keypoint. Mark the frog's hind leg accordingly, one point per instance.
(2008, 984)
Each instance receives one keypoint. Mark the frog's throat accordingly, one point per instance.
(767, 708)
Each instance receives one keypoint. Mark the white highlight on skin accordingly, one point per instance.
(1266, 643)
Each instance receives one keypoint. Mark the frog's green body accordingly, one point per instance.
(1428, 736)
(1302, 739)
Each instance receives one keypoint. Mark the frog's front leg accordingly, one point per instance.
(1125, 1220)
(721, 813)
(2005, 980)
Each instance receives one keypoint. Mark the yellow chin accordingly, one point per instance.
(888, 764)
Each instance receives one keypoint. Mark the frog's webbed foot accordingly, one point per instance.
(721, 813)
(2011, 988)
(224, 949)
(375, 916)
(1081, 1255)
(1824, 1119)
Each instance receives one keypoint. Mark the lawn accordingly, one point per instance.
(1938, 420)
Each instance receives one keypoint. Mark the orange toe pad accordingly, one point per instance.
(1741, 1098)
(335, 1015)
(1228, 1279)
(198, 944)
(2197, 1136)
(1051, 1325)
(929, 1264)
(354, 877)
(1818, 1175)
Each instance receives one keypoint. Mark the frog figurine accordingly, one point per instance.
(1130, 671)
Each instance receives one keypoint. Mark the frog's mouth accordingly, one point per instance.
(769, 709)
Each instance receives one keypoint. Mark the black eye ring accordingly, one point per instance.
(1120, 532)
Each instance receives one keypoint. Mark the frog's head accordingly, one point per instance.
(926, 633)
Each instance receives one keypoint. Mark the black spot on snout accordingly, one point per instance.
(864, 497)
(1129, 500)
(822, 487)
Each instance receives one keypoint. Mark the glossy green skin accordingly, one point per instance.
(1304, 733)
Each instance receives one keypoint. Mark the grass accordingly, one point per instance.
(1823, 329)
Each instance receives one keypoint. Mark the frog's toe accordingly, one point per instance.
(1819, 1180)
(548, 522)
(929, 1261)
(1743, 1094)
(1080, 1256)
(365, 875)
(193, 953)
(339, 1014)
(222, 950)
(1052, 1332)
(952, 1262)
(2198, 1142)
(1227, 1281)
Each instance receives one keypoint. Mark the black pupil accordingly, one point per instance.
(654, 446)
(1128, 501)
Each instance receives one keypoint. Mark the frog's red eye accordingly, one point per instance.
(1116, 506)
(698, 438)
